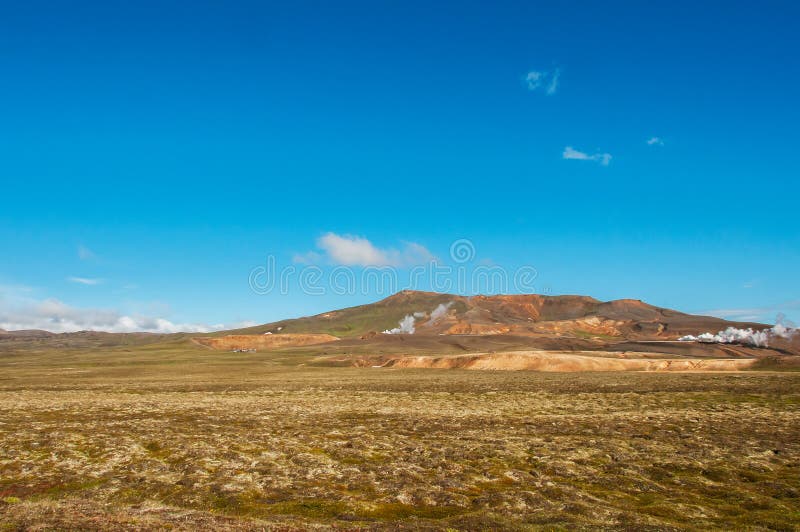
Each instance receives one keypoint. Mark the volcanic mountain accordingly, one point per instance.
(425, 324)
(528, 315)
(414, 329)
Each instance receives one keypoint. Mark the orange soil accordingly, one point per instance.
(558, 361)
(592, 325)
(475, 328)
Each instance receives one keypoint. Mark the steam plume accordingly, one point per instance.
(406, 325)
(440, 311)
(733, 335)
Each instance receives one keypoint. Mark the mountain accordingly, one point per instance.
(526, 315)
(548, 333)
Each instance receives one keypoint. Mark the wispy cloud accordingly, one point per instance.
(309, 257)
(85, 253)
(741, 314)
(542, 79)
(14, 290)
(534, 79)
(571, 153)
(349, 250)
(84, 280)
(553, 86)
(762, 314)
(655, 141)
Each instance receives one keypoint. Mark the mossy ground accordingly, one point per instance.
(166, 437)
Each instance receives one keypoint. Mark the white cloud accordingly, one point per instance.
(534, 79)
(541, 79)
(85, 253)
(655, 141)
(351, 250)
(84, 280)
(571, 153)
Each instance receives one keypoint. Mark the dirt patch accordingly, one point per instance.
(264, 341)
(586, 326)
(568, 362)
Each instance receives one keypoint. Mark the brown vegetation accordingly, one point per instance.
(189, 438)
(263, 341)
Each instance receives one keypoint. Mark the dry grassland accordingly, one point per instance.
(185, 438)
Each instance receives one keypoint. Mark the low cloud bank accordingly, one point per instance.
(55, 316)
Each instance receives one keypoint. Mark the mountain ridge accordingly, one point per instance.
(518, 313)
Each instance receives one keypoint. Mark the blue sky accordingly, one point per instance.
(152, 154)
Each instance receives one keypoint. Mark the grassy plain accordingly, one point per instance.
(172, 435)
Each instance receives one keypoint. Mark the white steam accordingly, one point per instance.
(440, 311)
(733, 335)
(406, 325)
